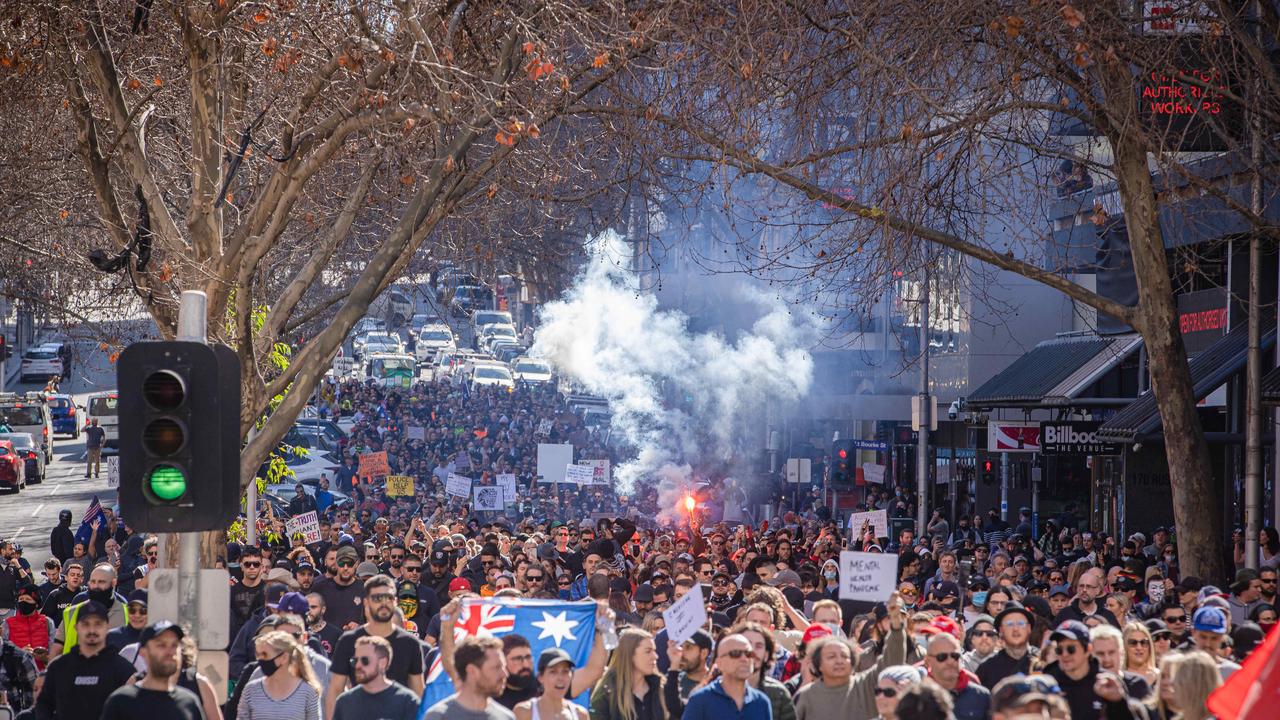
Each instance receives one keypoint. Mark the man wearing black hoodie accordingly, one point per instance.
(62, 540)
(77, 684)
(1077, 674)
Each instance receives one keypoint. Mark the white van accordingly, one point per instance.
(29, 413)
(104, 407)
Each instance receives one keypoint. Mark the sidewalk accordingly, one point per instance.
(13, 366)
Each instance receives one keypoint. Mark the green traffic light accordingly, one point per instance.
(167, 482)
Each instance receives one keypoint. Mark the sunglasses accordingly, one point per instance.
(1137, 642)
(1070, 649)
(246, 565)
(564, 582)
(736, 654)
(887, 692)
(533, 578)
(984, 633)
(412, 568)
(1175, 619)
(366, 661)
(346, 563)
(943, 657)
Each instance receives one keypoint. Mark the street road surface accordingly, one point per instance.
(28, 516)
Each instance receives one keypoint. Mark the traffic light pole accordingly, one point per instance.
(191, 328)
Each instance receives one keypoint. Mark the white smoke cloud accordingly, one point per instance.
(615, 342)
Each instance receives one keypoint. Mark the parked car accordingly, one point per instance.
(12, 467)
(531, 370)
(103, 407)
(494, 333)
(39, 364)
(492, 374)
(28, 413)
(433, 340)
(66, 419)
(480, 318)
(27, 449)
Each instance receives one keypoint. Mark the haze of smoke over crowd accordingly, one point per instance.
(677, 397)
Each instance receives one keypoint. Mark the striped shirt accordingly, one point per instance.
(301, 704)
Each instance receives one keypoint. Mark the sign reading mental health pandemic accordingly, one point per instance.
(306, 524)
(867, 576)
(374, 464)
(579, 474)
(458, 485)
(686, 615)
(507, 481)
(399, 486)
(879, 522)
(486, 497)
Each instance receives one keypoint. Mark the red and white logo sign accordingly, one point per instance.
(1013, 437)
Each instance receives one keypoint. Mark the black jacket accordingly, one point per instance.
(61, 542)
(1001, 665)
(77, 687)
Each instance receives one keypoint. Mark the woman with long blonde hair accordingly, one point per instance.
(631, 688)
(1197, 677)
(288, 689)
(1139, 653)
(1164, 704)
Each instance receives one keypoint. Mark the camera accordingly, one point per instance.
(953, 412)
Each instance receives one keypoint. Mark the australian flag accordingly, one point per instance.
(570, 626)
(93, 512)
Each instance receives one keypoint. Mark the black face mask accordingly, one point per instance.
(103, 596)
(26, 607)
(269, 666)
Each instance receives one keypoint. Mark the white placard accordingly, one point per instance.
(486, 497)
(507, 481)
(867, 576)
(458, 485)
(462, 461)
(601, 475)
(873, 473)
(113, 471)
(307, 523)
(579, 474)
(686, 615)
(879, 522)
(544, 427)
(799, 470)
(417, 432)
(552, 460)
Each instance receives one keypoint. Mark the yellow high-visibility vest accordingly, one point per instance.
(69, 623)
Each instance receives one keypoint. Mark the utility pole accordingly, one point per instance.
(1253, 363)
(926, 413)
(191, 328)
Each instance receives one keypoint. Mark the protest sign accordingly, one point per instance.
(879, 522)
(462, 461)
(507, 481)
(417, 432)
(686, 615)
(399, 486)
(552, 461)
(374, 464)
(544, 427)
(306, 524)
(579, 474)
(873, 473)
(458, 485)
(601, 471)
(867, 576)
(486, 497)
(113, 471)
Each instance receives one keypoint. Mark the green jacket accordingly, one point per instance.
(779, 698)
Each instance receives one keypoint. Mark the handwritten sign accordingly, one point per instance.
(417, 432)
(867, 576)
(486, 497)
(307, 525)
(601, 471)
(579, 474)
(374, 464)
(507, 481)
(686, 615)
(873, 473)
(113, 471)
(879, 522)
(544, 427)
(458, 485)
(552, 461)
(399, 486)
(462, 461)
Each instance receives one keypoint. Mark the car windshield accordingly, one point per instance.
(20, 441)
(492, 318)
(437, 335)
(40, 355)
(490, 372)
(532, 366)
(25, 415)
(103, 406)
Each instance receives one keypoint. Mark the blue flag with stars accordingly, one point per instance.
(570, 626)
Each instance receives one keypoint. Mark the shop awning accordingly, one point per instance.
(1271, 388)
(1054, 372)
(1209, 370)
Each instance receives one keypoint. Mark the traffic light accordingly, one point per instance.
(988, 472)
(179, 405)
(842, 470)
(5, 352)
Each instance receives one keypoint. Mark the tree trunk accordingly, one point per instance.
(1196, 514)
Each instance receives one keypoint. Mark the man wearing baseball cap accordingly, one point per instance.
(1208, 632)
(1075, 669)
(688, 667)
(78, 682)
(343, 594)
(158, 695)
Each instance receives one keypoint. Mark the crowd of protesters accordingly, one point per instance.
(985, 621)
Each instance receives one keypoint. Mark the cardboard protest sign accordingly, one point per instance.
(579, 474)
(458, 486)
(486, 497)
(374, 464)
(601, 471)
(507, 481)
(416, 432)
(686, 615)
(873, 473)
(879, 522)
(552, 460)
(399, 486)
(867, 576)
(306, 524)
(462, 461)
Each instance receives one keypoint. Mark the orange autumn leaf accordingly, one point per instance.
(534, 132)
(514, 126)
(1073, 17)
(600, 60)
(528, 47)
(134, 84)
(158, 82)
(230, 197)
(564, 83)
(102, 346)
(269, 47)
(504, 138)
(1013, 26)
(64, 214)
(113, 357)
(262, 16)
(407, 179)
(166, 273)
(493, 190)
(449, 164)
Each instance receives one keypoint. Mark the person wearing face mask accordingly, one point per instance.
(288, 688)
(28, 629)
(101, 590)
(979, 587)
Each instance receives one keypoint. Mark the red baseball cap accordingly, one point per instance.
(816, 631)
(942, 624)
(457, 584)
